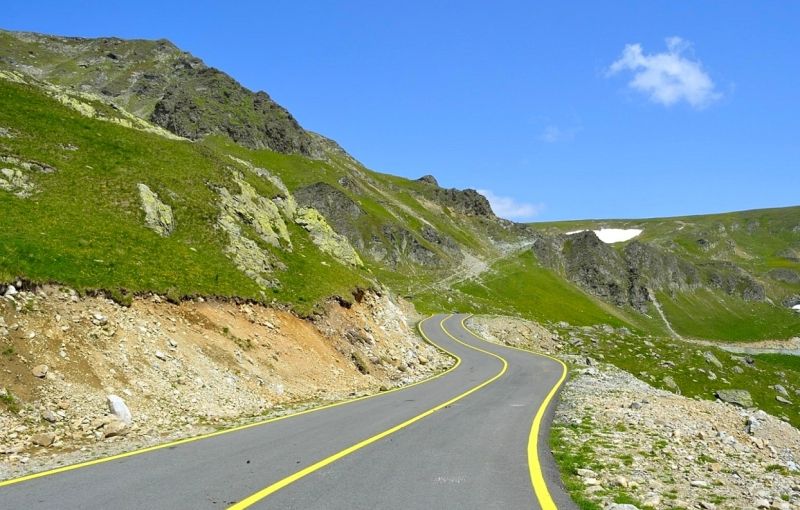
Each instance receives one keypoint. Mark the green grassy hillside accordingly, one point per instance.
(83, 224)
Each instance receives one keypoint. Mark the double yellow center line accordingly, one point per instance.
(263, 493)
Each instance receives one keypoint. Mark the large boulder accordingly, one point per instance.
(741, 398)
(118, 408)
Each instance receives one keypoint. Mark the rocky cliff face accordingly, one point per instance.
(158, 82)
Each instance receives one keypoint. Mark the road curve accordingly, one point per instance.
(460, 440)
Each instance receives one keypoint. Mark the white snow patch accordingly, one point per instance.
(613, 235)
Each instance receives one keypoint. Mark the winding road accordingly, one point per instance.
(474, 437)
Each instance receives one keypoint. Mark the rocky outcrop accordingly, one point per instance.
(326, 239)
(468, 201)
(429, 179)
(340, 211)
(785, 275)
(441, 241)
(658, 269)
(157, 215)
(262, 216)
(202, 101)
(600, 269)
(396, 245)
(257, 212)
(733, 280)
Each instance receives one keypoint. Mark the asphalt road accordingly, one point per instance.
(460, 440)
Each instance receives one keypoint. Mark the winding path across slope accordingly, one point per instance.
(473, 437)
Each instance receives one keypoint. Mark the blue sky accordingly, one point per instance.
(562, 110)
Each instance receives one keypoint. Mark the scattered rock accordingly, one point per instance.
(50, 416)
(783, 400)
(710, 358)
(114, 428)
(160, 355)
(43, 438)
(40, 371)
(670, 383)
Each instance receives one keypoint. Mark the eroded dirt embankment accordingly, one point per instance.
(182, 370)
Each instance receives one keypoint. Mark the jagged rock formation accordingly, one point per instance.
(157, 215)
(468, 201)
(429, 179)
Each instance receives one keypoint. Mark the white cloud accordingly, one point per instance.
(668, 77)
(509, 208)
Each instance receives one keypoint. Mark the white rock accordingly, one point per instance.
(118, 408)
(40, 371)
(11, 291)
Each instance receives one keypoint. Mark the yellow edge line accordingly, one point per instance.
(227, 431)
(258, 496)
(534, 467)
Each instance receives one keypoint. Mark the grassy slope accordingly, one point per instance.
(85, 228)
(518, 285)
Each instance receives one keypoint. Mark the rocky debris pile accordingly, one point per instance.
(668, 451)
(84, 377)
(157, 215)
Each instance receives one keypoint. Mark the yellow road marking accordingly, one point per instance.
(534, 467)
(227, 431)
(275, 487)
